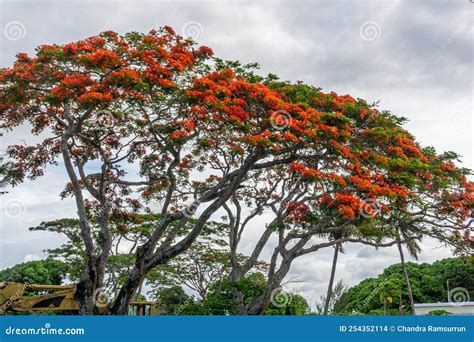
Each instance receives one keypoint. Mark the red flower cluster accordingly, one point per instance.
(178, 135)
(78, 81)
(308, 172)
(125, 77)
(102, 59)
(93, 98)
(334, 141)
(296, 212)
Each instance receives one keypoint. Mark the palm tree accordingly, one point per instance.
(4, 167)
(413, 249)
(337, 248)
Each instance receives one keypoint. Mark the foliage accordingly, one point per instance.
(295, 305)
(339, 289)
(203, 264)
(47, 272)
(428, 281)
(439, 313)
(221, 296)
(173, 301)
(220, 299)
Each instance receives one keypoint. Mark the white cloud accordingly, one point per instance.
(31, 257)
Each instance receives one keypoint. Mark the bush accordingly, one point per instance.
(439, 313)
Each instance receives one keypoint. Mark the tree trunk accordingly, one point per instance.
(331, 279)
(127, 292)
(85, 290)
(407, 278)
(89, 288)
(85, 295)
(139, 289)
(93, 273)
(260, 304)
(146, 259)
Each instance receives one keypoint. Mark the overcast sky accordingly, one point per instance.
(414, 57)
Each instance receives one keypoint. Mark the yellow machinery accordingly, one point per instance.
(21, 297)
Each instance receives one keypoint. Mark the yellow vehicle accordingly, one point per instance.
(21, 297)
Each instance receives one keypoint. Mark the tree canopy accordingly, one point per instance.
(47, 272)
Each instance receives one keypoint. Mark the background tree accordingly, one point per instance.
(326, 306)
(173, 301)
(413, 248)
(48, 272)
(203, 264)
(220, 299)
(329, 294)
(364, 171)
(429, 285)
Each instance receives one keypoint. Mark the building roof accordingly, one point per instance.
(428, 305)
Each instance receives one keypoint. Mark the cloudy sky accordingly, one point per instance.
(414, 57)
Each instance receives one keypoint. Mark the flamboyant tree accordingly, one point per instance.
(146, 121)
(368, 181)
(102, 106)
